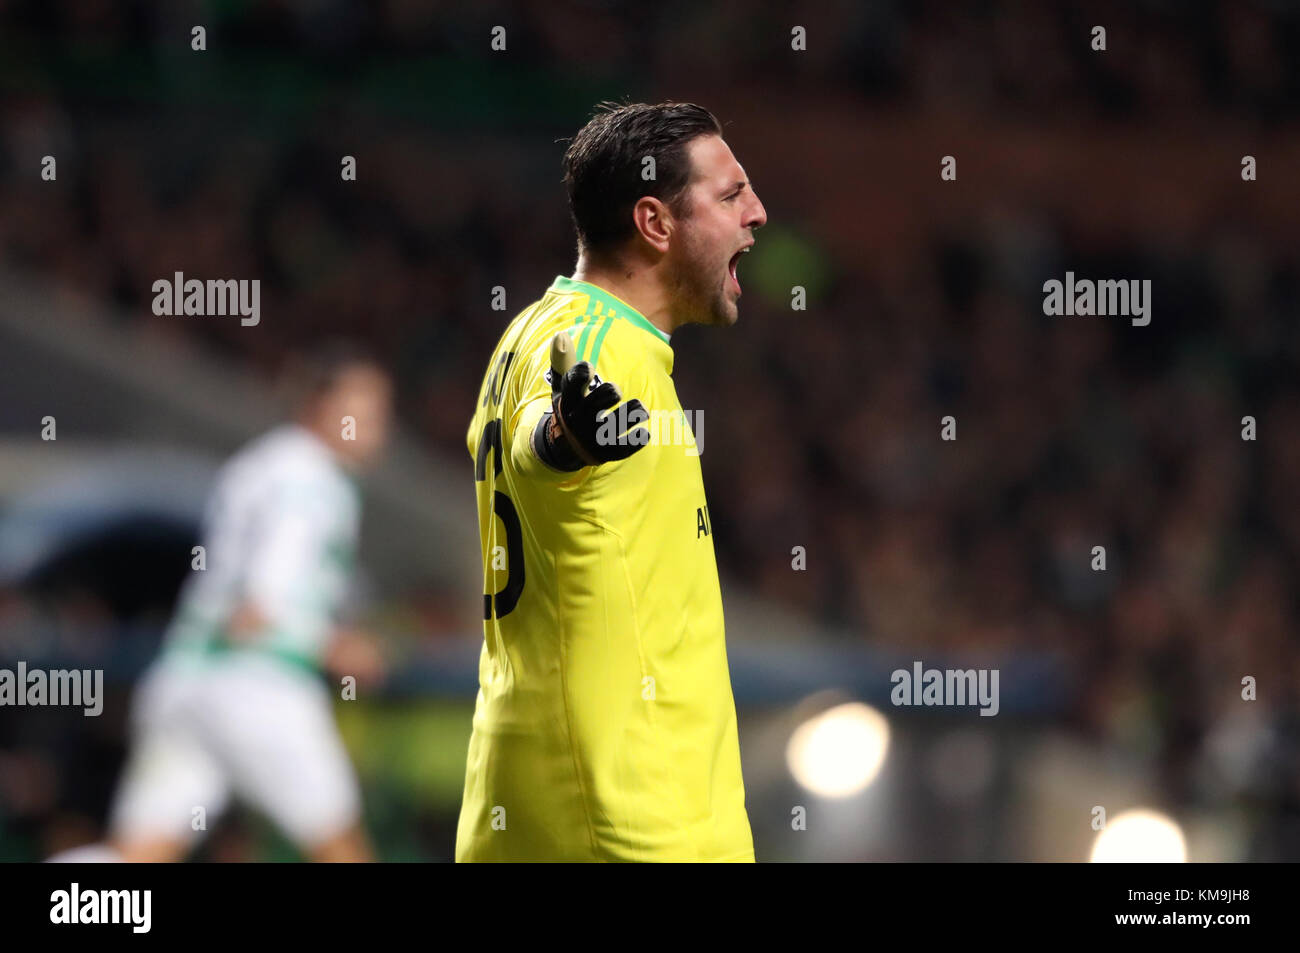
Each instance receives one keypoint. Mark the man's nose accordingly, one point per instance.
(757, 216)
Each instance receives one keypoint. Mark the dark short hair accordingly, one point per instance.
(604, 161)
(313, 372)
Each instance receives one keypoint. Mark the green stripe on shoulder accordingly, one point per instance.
(597, 296)
(600, 339)
(592, 319)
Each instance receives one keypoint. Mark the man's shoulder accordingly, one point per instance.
(534, 327)
(288, 460)
(594, 317)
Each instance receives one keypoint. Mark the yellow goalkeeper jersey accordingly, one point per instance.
(604, 727)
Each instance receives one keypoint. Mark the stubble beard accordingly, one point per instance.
(701, 297)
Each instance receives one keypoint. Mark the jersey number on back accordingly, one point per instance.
(503, 602)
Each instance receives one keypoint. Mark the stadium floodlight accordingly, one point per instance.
(839, 752)
(1140, 836)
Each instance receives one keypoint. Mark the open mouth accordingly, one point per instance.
(734, 263)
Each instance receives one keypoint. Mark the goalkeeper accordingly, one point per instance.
(605, 728)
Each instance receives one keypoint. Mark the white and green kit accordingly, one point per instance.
(219, 715)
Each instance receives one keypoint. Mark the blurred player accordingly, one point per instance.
(605, 727)
(235, 704)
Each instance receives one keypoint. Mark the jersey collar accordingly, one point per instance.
(564, 285)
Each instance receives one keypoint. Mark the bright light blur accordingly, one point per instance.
(1140, 836)
(839, 752)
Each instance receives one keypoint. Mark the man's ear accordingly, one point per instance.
(654, 220)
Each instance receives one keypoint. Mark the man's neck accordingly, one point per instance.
(639, 286)
(315, 429)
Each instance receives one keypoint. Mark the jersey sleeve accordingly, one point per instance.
(533, 400)
(617, 360)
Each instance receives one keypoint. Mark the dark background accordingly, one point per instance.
(1119, 688)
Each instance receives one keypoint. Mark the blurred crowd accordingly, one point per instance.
(1230, 56)
(823, 426)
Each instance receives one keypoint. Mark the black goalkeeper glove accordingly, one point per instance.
(580, 430)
